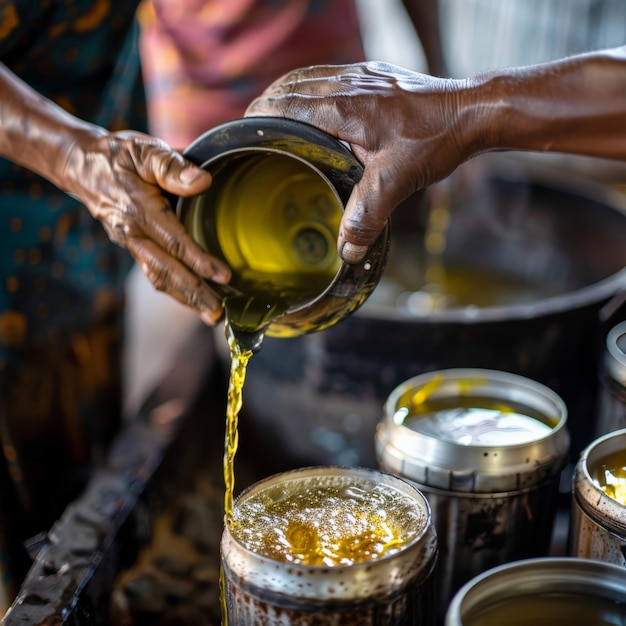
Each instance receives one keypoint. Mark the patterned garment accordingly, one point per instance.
(56, 258)
(61, 294)
(205, 60)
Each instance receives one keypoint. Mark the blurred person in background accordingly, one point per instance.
(78, 194)
(80, 199)
(205, 60)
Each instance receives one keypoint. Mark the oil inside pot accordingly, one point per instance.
(609, 474)
(548, 609)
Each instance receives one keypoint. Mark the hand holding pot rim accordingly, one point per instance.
(410, 130)
(119, 176)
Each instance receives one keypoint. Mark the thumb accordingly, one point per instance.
(367, 210)
(170, 170)
(186, 179)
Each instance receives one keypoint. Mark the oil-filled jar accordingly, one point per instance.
(612, 396)
(542, 592)
(598, 512)
(272, 213)
(487, 449)
(329, 545)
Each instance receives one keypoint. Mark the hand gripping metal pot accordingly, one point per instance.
(598, 515)
(330, 545)
(272, 214)
(486, 448)
(542, 592)
(612, 399)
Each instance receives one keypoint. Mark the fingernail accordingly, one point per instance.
(351, 253)
(210, 318)
(189, 174)
(219, 273)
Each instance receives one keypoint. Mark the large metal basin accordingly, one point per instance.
(318, 398)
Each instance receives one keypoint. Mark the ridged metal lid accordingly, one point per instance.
(615, 355)
(441, 462)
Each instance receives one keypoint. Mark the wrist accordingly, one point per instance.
(38, 134)
(551, 107)
(484, 113)
(72, 147)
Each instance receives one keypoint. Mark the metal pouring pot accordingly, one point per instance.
(276, 183)
(319, 397)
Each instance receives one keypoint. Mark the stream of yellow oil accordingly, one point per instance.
(239, 357)
(239, 364)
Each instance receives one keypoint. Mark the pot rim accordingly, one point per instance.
(606, 289)
(530, 576)
(434, 462)
(415, 560)
(612, 286)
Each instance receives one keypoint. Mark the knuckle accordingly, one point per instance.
(167, 161)
(194, 294)
(174, 246)
(358, 231)
(157, 274)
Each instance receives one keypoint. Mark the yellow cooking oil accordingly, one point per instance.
(274, 219)
(609, 474)
(549, 609)
(327, 521)
(468, 418)
(275, 223)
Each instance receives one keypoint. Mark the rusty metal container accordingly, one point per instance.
(272, 213)
(597, 519)
(487, 449)
(395, 588)
(612, 396)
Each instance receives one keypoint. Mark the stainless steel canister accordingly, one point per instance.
(395, 589)
(612, 399)
(598, 520)
(542, 592)
(492, 484)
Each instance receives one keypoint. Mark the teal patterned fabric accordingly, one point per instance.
(55, 257)
(61, 293)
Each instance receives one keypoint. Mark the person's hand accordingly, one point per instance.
(403, 126)
(410, 130)
(120, 177)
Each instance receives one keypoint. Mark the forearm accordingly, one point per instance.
(35, 132)
(573, 106)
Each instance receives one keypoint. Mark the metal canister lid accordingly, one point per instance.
(434, 459)
(615, 355)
